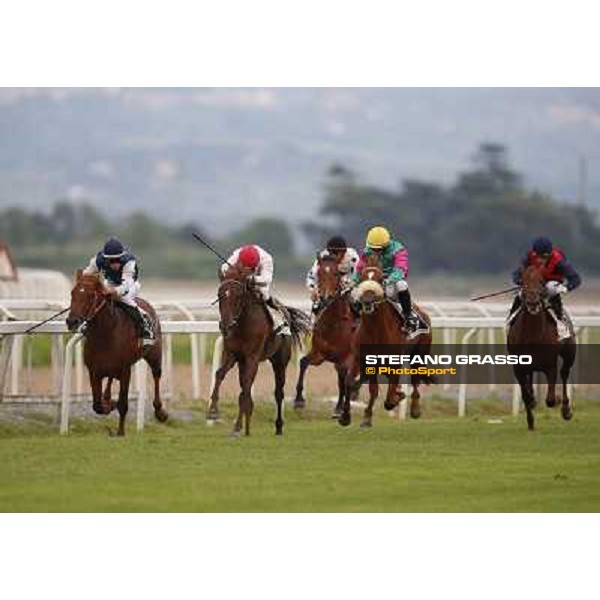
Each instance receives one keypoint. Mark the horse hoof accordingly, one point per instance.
(400, 396)
(390, 405)
(279, 432)
(101, 409)
(344, 420)
(415, 413)
(550, 403)
(567, 414)
(366, 425)
(161, 415)
(299, 403)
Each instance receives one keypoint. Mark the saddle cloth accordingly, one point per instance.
(564, 327)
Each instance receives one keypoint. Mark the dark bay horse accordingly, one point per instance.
(248, 339)
(331, 332)
(381, 324)
(534, 331)
(112, 346)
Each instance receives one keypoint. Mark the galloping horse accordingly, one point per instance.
(534, 331)
(248, 338)
(332, 330)
(380, 324)
(112, 346)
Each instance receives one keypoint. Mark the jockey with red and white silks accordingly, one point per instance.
(260, 261)
(119, 270)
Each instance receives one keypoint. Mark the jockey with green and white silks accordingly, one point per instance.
(394, 263)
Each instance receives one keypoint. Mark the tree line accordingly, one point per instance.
(479, 224)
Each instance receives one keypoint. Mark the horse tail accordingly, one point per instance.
(299, 325)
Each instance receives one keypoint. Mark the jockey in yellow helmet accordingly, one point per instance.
(394, 261)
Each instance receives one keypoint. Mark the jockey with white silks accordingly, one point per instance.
(119, 270)
(394, 262)
(260, 263)
(346, 258)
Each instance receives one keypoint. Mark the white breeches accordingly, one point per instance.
(393, 289)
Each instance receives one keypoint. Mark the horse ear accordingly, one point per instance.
(78, 275)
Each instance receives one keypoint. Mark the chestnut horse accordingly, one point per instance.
(248, 339)
(533, 331)
(380, 323)
(112, 346)
(331, 332)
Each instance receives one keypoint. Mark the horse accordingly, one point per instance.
(331, 332)
(380, 323)
(534, 331)
(112, 346)
(248, 339)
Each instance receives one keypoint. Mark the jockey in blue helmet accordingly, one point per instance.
(119, 270)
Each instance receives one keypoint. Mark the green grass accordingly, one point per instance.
(439, 463)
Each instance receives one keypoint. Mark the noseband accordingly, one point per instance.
(224, 294)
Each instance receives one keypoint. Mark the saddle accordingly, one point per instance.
(564, 326)
(136, 318)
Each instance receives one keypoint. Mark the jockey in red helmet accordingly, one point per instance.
(559, 275)
(260, 263)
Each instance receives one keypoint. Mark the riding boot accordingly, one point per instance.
(148, 338)
(410, 318)
(280, 323)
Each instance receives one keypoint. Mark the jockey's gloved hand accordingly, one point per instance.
(555, 287)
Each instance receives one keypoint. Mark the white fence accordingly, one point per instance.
(481, 323)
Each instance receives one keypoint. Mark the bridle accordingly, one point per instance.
(225, 294)
(536, 305)
(93, 307)
(373, 274)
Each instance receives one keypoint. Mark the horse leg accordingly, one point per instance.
(213, 409)
(299, 400)
(551, 394)
(96, 385)
(160, 414)
(123, 404)
(368, 415)
(107, 403)
(392, 398)
(526, 384)
(568, 358)
(279, 365)
(351, 370)
(341, 376)
(415, 406)
(247, 372)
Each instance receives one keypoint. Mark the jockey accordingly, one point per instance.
(559, 275)
(260, 263)
(394, 258)
(346, 258)
(119, 270)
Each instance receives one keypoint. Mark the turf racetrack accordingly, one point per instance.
(439, 463)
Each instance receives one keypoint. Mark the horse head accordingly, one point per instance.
(370, 290)
(87, 297)
(328, 277)
(533, 291)
(232, 295)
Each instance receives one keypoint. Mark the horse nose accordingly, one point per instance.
(73, 323)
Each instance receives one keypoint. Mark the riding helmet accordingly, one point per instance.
(378, 237)
(337, 243)
(113, 249)
(542, 245)
(249, 257)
